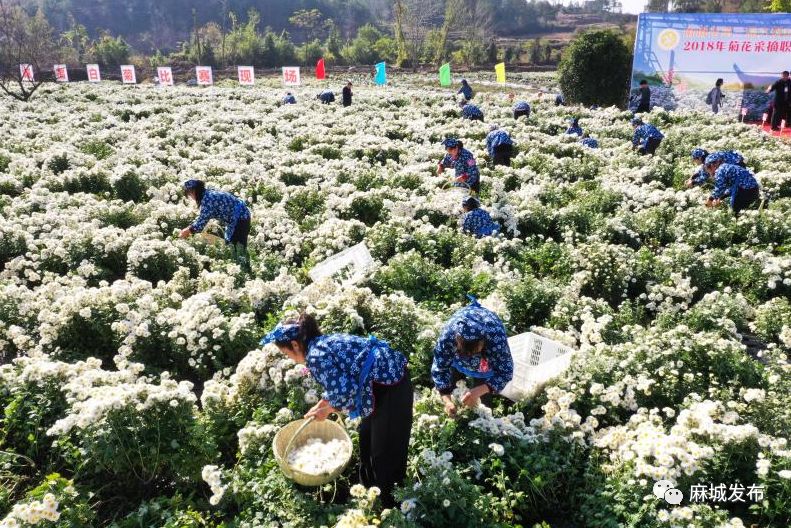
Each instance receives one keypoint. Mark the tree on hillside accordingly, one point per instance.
(595, 69)
(780, 6)
(24, 39)
(414, 20)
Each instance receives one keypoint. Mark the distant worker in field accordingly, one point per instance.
(699, 156)
(326, 97)
(463, 162)
(715, 96)
(477, 221)
(646, 137)
(500, 146)
(470, 111)
(574, 127)
(587, 141)
(521, 108)
(289, 98)
(560, 100)
(731, 179)
(782, 90)
(645, 98)
(465, 90)
(474, 345)
(346, 95)
(230, 210)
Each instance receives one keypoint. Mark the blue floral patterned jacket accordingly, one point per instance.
(589, 142)
(574, 130)
(730, 178)
(495, 138)
(222, 206)
(465, 167)
(522, 106)
(465, 89)
(479, 223)
(645, 132)
(336, 361)
(495, 364)
(729, 156)
(471, 112)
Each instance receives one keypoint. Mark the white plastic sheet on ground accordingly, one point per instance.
(349, 266)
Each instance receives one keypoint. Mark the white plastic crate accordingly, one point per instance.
(536, 361)
(349, 266)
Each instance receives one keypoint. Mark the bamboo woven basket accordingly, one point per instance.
(296, 434)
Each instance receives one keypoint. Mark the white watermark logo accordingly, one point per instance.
(664, 489)
(700, 493)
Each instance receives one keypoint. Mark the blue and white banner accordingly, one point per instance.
(682, 55)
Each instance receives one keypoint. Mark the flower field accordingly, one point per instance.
(135, 393)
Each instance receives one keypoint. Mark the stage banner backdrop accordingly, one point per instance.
(682, 55)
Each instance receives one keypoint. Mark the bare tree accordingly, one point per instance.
(23, 40)
(413, 20)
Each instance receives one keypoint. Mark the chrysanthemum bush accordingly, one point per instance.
(131, 363)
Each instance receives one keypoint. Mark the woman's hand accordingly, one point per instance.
(185, 233)
(440, 169)
(688, 183)
(450, 408)
(470, 399)
(320, 411)
(713, 202)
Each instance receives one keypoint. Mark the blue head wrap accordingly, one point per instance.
(699, 154)
(636, 121)
(451, 143)
(281, 334)
(192, 184)
(713, 158)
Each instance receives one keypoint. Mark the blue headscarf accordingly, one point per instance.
(636, 121)
(713, 158)
(281, 334)
(699, 154)
(451, 142)
(471, 329)
(192, 184)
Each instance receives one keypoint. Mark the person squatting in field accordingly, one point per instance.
(229, 210)
(463, 162)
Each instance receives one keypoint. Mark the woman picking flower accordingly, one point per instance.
(463, 162)
(477, 221)
(363, 378)
(474, 343)
(226, 208)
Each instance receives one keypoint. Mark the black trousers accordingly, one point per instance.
(745, 198)
(778, 114)
(643, 107)
(502, 155)
(241, 232)
(520, 113)
(384, 439)
(650, 146)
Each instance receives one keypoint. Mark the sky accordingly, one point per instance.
(633, 6)
(629, 6)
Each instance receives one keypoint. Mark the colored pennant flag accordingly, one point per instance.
(320, 74)
(499, 70)
(444, 75)
(381, 74)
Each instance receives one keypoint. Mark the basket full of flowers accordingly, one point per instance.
(312, 453)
